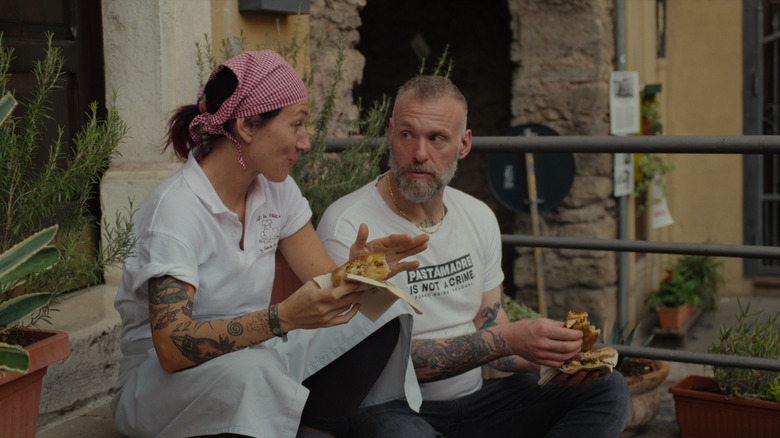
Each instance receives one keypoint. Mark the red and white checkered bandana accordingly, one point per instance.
(266, 82)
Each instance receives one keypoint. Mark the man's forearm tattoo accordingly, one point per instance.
(453, 356)
(506, 363)
(490, 314)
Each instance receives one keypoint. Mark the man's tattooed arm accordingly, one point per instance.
(182, 342)
(436, 359)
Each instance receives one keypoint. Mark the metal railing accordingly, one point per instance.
(758, 144)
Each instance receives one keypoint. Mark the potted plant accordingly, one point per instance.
(675, 299)
(736, 401)
(707, 272)
(643, 376)
(650, 169)
(24, 354)
(35, 196)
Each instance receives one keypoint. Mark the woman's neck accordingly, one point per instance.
(228, 179)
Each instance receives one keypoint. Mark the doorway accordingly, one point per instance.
(762, 117)
(396, 35)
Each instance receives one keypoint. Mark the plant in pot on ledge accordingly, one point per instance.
(675, 299)
(736, 402)
(691, 281)
(34, 196)
(707, 272)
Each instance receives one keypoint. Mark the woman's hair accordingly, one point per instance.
(216, 92)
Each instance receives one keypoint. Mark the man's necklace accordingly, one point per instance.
(406, 216)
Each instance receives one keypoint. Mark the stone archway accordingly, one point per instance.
(517, 62)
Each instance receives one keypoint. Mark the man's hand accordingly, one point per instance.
(395, 246)
(541, 340)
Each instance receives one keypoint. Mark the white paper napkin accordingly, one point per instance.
(608, 363)
(377, 296)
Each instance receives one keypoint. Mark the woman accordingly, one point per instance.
(205, 352)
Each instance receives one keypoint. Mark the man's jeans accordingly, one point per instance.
(515, 406)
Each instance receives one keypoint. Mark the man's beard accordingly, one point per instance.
(418, 189)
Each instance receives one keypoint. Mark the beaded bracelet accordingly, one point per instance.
(273, 322)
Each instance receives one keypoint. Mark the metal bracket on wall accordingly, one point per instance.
(275, 6)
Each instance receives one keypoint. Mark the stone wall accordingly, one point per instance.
(335, 22)
(563, 52)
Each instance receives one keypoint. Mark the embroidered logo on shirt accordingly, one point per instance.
(431, 281)
(267, 231)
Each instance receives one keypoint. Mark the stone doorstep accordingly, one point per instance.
(86, 378)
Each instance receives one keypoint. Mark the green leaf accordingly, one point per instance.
(13, 358)
(7, 105)
(25, 249)
(16, 309)
(41, 260)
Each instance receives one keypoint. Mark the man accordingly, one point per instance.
(458, 287)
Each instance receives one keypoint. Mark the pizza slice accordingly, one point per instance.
(373, 266)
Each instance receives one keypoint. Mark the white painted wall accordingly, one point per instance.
(149, 51)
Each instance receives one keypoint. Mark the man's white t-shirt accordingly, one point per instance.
(463, 260)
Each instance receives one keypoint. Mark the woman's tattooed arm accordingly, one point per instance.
(182, 342)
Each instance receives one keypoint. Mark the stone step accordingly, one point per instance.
(86, 378)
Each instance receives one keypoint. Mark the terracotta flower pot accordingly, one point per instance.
(674, 317)
(711, 415)
(645, 395)
(20, 394)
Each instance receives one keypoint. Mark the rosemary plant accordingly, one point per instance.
(752, 338)
(37, 195)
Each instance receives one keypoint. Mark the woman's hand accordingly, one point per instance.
(312, 307)
(395, 246)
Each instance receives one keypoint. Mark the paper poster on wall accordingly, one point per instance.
(624, 106)
(623, 174)
(659, 211)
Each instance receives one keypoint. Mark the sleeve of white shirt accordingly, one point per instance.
(494, 275)
(298, 209)
(159, 254)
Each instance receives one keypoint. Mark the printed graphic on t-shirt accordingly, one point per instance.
(437, 280)
(267, 231)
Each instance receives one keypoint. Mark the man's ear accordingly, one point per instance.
(243, 130)
(465, 144)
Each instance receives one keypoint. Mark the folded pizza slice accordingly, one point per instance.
(373, 265)
(579, 321)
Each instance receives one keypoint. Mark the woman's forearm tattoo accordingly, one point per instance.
(168, 300)
(200, 350)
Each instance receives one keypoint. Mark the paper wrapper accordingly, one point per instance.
(377, 296)
(605, 367)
